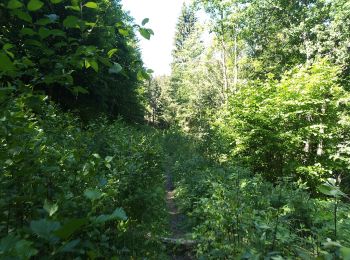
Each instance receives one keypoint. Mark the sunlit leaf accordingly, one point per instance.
(111, 52)
(50, 208)
(92, 5)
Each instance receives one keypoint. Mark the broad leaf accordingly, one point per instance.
(5, 63)
(34, 5)
(71, 22)
(14, 4)
(70, 227)
(145, 33)
(92, 194)
(115, 69)
(92, 5)
(145, 21)
(44, 228)
(22, 15)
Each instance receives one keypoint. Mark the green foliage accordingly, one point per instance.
(64, 48)
(68, 191)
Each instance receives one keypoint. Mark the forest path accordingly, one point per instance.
(179, 248)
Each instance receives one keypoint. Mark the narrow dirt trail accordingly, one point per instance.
(178, 245)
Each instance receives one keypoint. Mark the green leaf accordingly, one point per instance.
(5, 63)
(27, 31)
(50, 208)
(74, 8)
(14, 4)
(104, 61)
(145, 21)
(70, 227)
(79, 90)
(94, 65)
(92, 194)
(330, 190)
(22, 15)
(145, 33)
(111, 52)
(44, 33)
(142, 75)
(115, 69)
(123, 32)
(345, 253)
(57, 33)
(34, 5)
(92, 5)
(71, 22)
(43, 21)
(44, 228)
(68, 247)
(118, 214)
(56, 1)
(22, 249)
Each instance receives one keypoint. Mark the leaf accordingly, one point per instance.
(70, 227)
(123, 32)
(57, 33)
(50, 208)
(145, 33)
(94, 65)
(109, 159)
(44, 33)
(22, 249)
(56, 1)
(79, 89)
(118, 214)
(92, 5)
(44, 228)
(5, 63)
(22, 15)
(71, 22)
(68, 247)
(27, 31)
(14, 4)
(43, 21)
(34, 5)
(145, 21)
(111, 52)
(345, 253)
(142, 75)
(330, 190)
(92, 194)
(74, 8)
(115, 69)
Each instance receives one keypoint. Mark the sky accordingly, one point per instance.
(163, 14)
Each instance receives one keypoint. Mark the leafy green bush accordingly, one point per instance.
(68, 190)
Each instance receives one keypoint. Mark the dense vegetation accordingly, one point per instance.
(252, 125)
